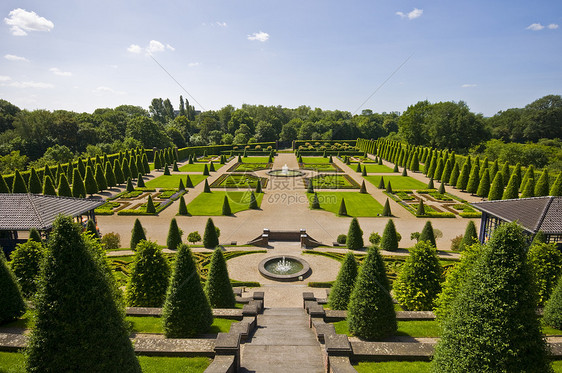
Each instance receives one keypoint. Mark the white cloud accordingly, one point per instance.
(58, 72)
(133, 48)
(221, 24)
(30, 84)
(168, 46)
(12, 57)
(259, 36)
(104, 89)
(416, 13)
(4, 78)
(193, 64)
(535, 27)
(553, 26)
(22, 21)
(155, 46)
(468, 85)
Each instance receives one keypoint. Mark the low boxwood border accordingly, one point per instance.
(354, 184)
(221, 178)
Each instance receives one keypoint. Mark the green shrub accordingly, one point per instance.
(389, 187)
(78, 189)
(174, 235)
(25, 264)
(341, 239)
(375, 238)
(546, 265)
(48, 187)
(226, 210)
(175, 167)
(389, 241)
(137, 234)
(556, 189)
(370, 312)
(140, 181)
(218, 287)
(310, 188)
(18, 184)
(118, 172)
(79, 323)
(34, 183)
(512, 189)
(542, 187)
(496, 190)
(101, 181)
(315, 204)
(421, 209)
(343, 209)
(455, 173)
(210, 237)
(150, 275)
(419, 280)
(462, 180)
(553, 309)
(253, 201)
(3, 186)
(473, 180)
(167, 170)
(130, 186)
(342, 288)
(111, 241)
(150, 208)
(188, 182)
(386, 209)
(381, 183)
(186, 312)
(427, 234)
(205, 170)
(194, 237)
(182, 207)
(470, 236)
(354, 236)
(181, 186)
(206, 188)
(528, 189)
(34, 235)
(363, 189)
(92, 229)
(63, 189)
(12, 305)
(90, 181)
(493, 325)
(441, 188)
(258, 186)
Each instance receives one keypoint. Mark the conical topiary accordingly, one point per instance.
(484, 185)
(205, 170)
(370, 312)
(364, 172)
(421, 209)
(63, 189)
(12, 305)
(130, 186)
(150, 208)
(174, 235)
(354, 236)
(454, 175)
(140, 181)
(315, 203)
(150, 275)
(473, 180)
(125, 170)
(90, 181)
(529, 189)
(404, 172)
(210, 237)
(48, 187)
(175, 167)
(78, 189)
(186, 311)
(493, 325)
(441, 188)
(258, 186)
(470, 236)
(343, 209)
(395, 169)
(389, 241)
(100, 178)
(3, 186)
(381, 183)
(419, 280)
(363, 189)
(109, 176)
(386, 209)
(167, 170)
(34, 186)
(226, 210)
(253, 201)
(358, 168)
(79, 323)
(18, 184)
(206, 188)
(182, 207)
(430, 185)
(310, 188)
(211, 167)
(218, 287)
(188, 182)
(137, 234)
(462, 180)
(427, 234)
(344, 284)
(496, 189)
(556, 189)
(118, 172)
(542, 186)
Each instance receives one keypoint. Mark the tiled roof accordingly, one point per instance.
(25, 211)
(534, 214)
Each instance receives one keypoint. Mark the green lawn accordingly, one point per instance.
(210, 204)
(249, 167)
(314, 160)
(13, 362)
(173, 181)
(255, 159)
(393, 367)
(333, 181)
(320, 167)
(236, 180)
(375, 168)
(154, 325)
(397, 182)
(198, 167)
(357, 204)
(416, 329)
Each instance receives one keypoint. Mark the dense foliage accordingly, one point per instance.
(218, 287)
(354, 235)
(546, 265)
(342, 288)
(12, 305)
(25, 263)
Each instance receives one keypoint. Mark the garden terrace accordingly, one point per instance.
(199, 167)
(173, 181)
(398, 182)
(357, 204)
(332, 181)
(210, 204)
(238, 181)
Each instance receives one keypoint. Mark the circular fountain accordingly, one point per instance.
(285, 172)
(284, 268)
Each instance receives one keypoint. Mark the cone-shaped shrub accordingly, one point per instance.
(473, 180)
(64, 189)
(493, 325)
(430, 185)
(188, 182)
(183, 207)
(258, 186)
(206, 188)
(484, 185)
(190, 159)
(125, 170)
(175, 167)
(150, 209)
(109, 176)
(186, 312)
(79, 325)
(364, 172)
(354, 236)
(133, 167)
(100, 178)
(439, 169)
(363, 189)
(92, 229)
(211, 167)
(145, 164)
(462, 181)
(253, 201)
(404, 172)
(18, 185)
(344, 284)
(419, 280)
(421, 209)
(529, 189)
(358, 168)
(210, 237)
(167, 170)
(3, 186)
(330, 160)
(381, 183)
(370, 312)
(496, 189)
(415, 163)
(442, 188)
(226, 210)
(205, 170)
(446, 175)
(140, 181)
(34, 235)
(380, 161)
(12, 305)
(130, 186)
(150, 274)
(157, 160)
(553, 308)
(315, 203)
(454, 175)
(470, 236)
(90, 181)
(389, 241)
(34, 183)
(78, 189)
(218, 287)
(546, 265)
(174, 235)
(310, 188)
(556, 189)
(395, 169)
(48, 187)
(386, 209)
(137, 234)
(181, 186)
(118, 172)
(427, 234)
(343, 209)
(529, 174)
(541, 187)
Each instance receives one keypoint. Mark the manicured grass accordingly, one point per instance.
(250, 167)
(244, 180)
(198, 167)
(320, 167)
(550, 331)
(393, 367)
(154, 325)
(357, 204)
(314, 160)
(376, 168)
(173, 181)
(397, 182)
(210, 204)
(331, 181)
(14, 362)
(416, 329)
(255, 159)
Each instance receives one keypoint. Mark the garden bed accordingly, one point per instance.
(397, 182)
(320, 167)
(331, 181)
(239, 181)
(210, 204)
(173, 181)
(249, 167)
(357, 204)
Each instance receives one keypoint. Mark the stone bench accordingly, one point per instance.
(175, 347)
(395, 351)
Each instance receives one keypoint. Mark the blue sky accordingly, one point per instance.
(79, 55)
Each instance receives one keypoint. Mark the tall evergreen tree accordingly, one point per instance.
(473, 180)
(48, 187)
(454, 175)
(210, 237)
(63, 189)
(446, 175)
(496, 190)
(218, 287)
(79, 324)
(389, 241)
(125, 170)
(3, 186)
(370, 312)
(186, 312)
(343, 209)
(34, 186)
(137, 234)
(355, 236)
(145, 164)
(90, 182)
(78, 188)
(470, 236)
(493, 325)
(100, 178)
(109, 175)
(343, 286)
(427, 234)
(512, 189)
(529, 174)
(529, 189)
(18, 185)
(556, 189)
(484, 185)
(542, 186)
(462, 181)
(117, 171)
(430, 184)
(133, 167)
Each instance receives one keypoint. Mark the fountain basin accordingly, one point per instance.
(285, 173)
(284, 268)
